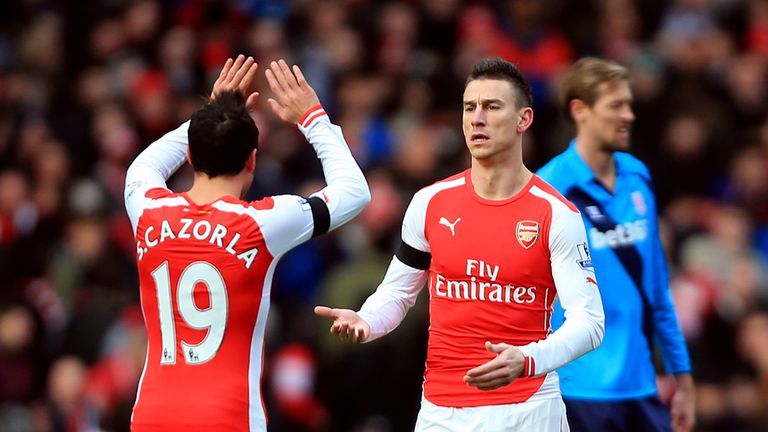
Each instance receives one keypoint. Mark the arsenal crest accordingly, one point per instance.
(527, 233)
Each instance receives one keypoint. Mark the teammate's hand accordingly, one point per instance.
(238, 75)
(501, 371)
(293, 95)
(347, 324)
(682, 408)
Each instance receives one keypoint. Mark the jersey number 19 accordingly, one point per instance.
(213, 319)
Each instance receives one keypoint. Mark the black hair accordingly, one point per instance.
(221, 135)
(500, 69)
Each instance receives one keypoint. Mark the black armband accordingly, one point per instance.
(413, 257)
(321, 216)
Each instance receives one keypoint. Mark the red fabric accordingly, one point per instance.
(490, 279)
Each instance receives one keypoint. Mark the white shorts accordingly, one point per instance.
(543, 415)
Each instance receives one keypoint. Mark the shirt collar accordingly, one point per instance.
(576, 166)
(581, 172)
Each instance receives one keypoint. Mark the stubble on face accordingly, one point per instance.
(489, 117)
(611, 116)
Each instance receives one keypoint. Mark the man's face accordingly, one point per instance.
(610, 119)
(490, 117)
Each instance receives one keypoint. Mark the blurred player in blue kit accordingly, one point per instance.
(614, 387)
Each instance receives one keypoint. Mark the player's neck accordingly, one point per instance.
(498, 181)
(205, 189)
(599, 161)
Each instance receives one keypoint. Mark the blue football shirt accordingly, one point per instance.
(629, 262)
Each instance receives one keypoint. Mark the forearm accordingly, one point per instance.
(577, 289)
(161, 159)
(152, 168)
(581, 333)
(347, 191)
(685, 382)
(386, 308)
(668, 333)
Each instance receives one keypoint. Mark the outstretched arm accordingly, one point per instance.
(347, 324)
(163, 157)
(385, 309)
(296, 102)
(346, 193)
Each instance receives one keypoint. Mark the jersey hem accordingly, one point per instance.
(611, 397)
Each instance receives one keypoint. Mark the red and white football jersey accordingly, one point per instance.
(494, 271)
(205, 271)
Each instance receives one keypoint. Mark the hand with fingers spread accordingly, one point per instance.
(506, 367)
(293, 95)
(238, 75)
(347, 324)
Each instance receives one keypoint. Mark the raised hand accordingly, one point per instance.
(347, 324)
(238, 75)
(498, 372)
(293, 95)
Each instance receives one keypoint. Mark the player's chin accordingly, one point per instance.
(480, 153)
(622, 142)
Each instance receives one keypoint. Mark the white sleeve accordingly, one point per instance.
(152, 167)
(346, 193)
(576, 285)
(296, 219)
(385, 309)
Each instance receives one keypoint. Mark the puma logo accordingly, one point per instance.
(452, 226)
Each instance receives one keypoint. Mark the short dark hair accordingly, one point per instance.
(500, 69)
(221, 135)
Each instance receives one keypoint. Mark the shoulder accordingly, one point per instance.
(249, 208)
(268, 203)
(426, 193)
(158, 193)
(632, 164)
(552, 172)
(547, 192)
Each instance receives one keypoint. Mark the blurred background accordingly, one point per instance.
(85, 85)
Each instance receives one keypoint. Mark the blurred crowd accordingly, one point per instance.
(85, 85)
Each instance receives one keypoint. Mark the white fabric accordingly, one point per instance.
(345, 195)
(584, 325)
(540, 415)
(385, 309)
(152, 168)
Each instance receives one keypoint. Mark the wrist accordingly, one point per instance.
(684, 382)
(529, 367)
(310, 115)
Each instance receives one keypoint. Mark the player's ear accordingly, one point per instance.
(525, 120)
(577, 109)
(189, 156)
(250, 163)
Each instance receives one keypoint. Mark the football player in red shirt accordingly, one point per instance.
(206, 257)
(496, 245)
